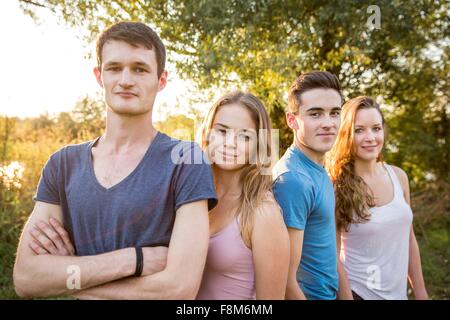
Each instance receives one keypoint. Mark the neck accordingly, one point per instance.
(315, 156)
(227, 182)
(123, 132)
(366, 168)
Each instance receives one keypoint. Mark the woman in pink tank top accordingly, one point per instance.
(374, 219)
(248, 254)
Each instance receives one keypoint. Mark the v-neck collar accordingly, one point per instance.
(129, 176)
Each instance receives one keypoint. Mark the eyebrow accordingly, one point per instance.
(135, 63)
(375, 125)
(335, 108)
(225, 126)
(143, 64)
(222, 125)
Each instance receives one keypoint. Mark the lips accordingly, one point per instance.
(325, 134)
(369, 147)
(126, 94)
(226, 155)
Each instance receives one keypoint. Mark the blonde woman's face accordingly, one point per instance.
(368, 134)
(232, 139)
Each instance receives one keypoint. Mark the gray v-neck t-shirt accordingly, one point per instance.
(137, 211)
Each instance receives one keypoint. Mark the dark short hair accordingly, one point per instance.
(133, 33)
(309, 81)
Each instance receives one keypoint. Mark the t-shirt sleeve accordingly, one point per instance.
(295, 197)
(47, 190)
(194, 178)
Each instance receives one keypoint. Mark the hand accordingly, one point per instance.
(50, 238)
(155, 259)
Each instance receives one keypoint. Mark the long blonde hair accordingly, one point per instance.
(255, 182)
(353, 196)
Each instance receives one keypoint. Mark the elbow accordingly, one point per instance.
(184, 290)
(26, 282)
(21, 283)
(180, 288)
(184, 294)
(187, 293)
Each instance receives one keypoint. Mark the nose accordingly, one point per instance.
(230, 139)
(369, 136)
(328, 122)
(126, 79)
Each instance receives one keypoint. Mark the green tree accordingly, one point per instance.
(262, 46)
(177, 126)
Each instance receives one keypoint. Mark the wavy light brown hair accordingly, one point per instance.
(353, 196)
(256, 183)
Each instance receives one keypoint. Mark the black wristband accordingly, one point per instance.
(139, 262)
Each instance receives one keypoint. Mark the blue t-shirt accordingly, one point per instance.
(306, 196)
(139, 210)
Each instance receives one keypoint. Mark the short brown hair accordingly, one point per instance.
(309, 81)
(133, 33)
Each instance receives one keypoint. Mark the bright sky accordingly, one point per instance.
(44, 69)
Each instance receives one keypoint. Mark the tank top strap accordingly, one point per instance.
(398, 190)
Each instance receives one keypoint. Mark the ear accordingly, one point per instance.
(163, 80)
(98, 76)
(291, 121)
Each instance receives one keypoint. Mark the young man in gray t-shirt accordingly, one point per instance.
(123, 197)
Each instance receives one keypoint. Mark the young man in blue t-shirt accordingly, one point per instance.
(304, 190)
(123, 197)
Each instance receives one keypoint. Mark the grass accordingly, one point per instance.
(434, 246)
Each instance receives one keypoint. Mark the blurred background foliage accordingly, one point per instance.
(261, 46)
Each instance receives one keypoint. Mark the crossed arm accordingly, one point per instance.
(46, 274)
(185, 262)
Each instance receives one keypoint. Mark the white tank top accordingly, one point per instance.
(375, 254)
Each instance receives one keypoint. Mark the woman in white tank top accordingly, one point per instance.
(376, 242)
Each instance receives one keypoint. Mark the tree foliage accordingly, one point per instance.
(261, 46)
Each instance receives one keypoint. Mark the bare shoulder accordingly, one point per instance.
(402, 176)
(268, 210)
(269, 226)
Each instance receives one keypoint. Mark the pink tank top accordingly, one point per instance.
(229, 271)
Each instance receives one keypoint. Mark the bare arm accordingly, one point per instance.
(344, 291)
(415, 274)
(185, 263)
(47, 275)
(415, 269)
(293, 291)
(270, 247)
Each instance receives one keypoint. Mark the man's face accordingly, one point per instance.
(129, 78)
(318, 119)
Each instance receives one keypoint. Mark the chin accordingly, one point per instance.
(366, 157)
(229, 166)
(129, 110)
(323, 148)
